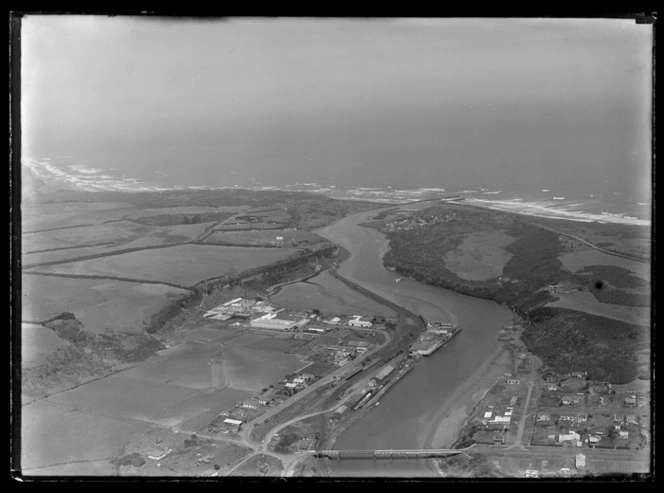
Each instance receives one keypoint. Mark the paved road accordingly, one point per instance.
(592, 245)
(246, 432)
(524, 413)
(542, 451)
(276, 429)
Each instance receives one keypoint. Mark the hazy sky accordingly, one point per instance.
(97, 82)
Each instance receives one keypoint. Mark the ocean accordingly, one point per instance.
(615, 204)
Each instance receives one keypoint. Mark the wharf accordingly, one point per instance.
(402, 373)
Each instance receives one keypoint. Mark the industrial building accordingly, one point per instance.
(359, 321)
(384, 372)
(270, 321)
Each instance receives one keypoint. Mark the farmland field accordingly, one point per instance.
(117, 232)
(480, 256)
(279, 345)
(53, 434)
(263, 237)
(586, 302)
(329, 295)
(186, 365)
(67, 214)
(320, 369)
(122, 395)
(183, 265)
(246, 339)
(253, 370)
(118, 238)
(95, 468)
(45, 216)
(579, 259)
(37, 342)
(206, 334)
(98, 304)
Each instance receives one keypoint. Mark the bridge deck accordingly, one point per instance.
(387, 453)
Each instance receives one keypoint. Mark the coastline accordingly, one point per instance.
(63, 176)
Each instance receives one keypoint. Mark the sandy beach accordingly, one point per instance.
(451, 416)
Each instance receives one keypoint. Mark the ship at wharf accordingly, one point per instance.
(437, 335)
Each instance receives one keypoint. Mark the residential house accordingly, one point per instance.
(582, 418)
(593, 439)
(543, 417)
(572, 436)
(629, 401)
(569, 400)
(623, 434)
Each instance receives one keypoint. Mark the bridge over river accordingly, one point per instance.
(387, 453)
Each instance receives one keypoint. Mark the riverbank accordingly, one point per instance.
(444, 429)
(436, 397)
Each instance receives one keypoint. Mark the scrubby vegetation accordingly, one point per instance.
(87, 356)
(569, 340)
(566, 340)
(475, 466)
(175, 219)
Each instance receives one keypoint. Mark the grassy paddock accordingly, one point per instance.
(184, 265)
(98, 304)
(480, 256)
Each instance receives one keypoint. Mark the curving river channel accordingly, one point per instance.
(409, 413)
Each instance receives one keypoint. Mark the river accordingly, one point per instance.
(408, 414)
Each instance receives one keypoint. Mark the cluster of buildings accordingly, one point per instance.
(239, 308)
(339, 355)
(261, 315)
(579, 465)
(502, 419)
(410, 223)
(577, 418)
(298, 382)
(231, 420)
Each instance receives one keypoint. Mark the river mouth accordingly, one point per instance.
(411, 413)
